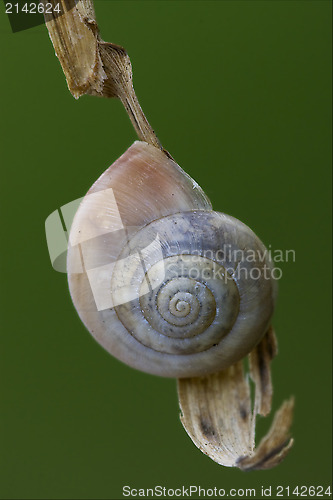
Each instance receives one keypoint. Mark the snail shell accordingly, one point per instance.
(161, 281)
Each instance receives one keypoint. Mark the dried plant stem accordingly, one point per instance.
(92, 66)
(219, 417)
(117, 66)
(139, 120)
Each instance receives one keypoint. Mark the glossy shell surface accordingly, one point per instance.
(162, 282)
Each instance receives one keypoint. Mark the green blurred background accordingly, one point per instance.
(239, 93)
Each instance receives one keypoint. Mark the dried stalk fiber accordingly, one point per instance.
(216, 410)
(92, 66)
(218, 417)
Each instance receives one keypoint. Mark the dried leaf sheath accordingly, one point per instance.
(217, 413)
(92, 66)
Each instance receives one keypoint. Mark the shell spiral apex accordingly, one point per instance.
(163, 282)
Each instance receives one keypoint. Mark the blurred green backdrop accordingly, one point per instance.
(239, 93)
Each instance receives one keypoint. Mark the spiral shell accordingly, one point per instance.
(163, 282)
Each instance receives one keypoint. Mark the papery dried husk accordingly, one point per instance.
(219, 417)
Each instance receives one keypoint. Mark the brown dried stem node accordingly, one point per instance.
(92, 66)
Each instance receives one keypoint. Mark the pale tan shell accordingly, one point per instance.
(161, 280)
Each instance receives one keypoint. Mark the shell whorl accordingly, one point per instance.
(181, 300)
